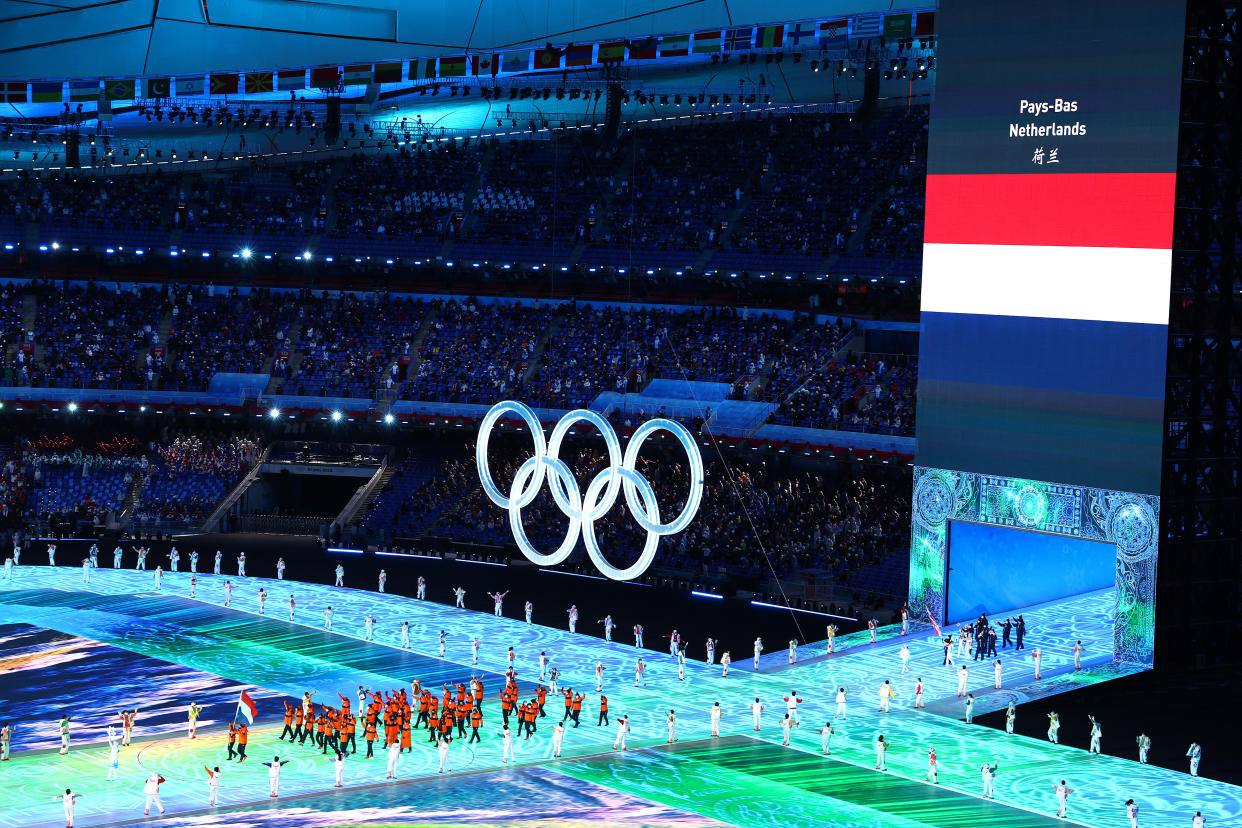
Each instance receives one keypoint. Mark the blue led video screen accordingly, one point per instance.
(999, 568)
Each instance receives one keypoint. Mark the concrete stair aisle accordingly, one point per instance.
(165, 327)
(274, 384)
(554, 324)
(415, 357)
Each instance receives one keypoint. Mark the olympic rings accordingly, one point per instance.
(600, 496)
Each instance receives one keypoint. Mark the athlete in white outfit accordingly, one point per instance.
(292, 606)
(825, 738)
(70, 798)
(672, 726)
(405, 635)
(459, 594)
(262, 601)
(962, 676)
(444, 743)
(639, 668)
(192, 713)
(1195, 753)
(558, 738)
(599, 676)
(638, 636)
(840, 704)
(1011, 713)
(793, 651)
(114, 747)
(280, 569)
(383, 579)
(1062, 791)
(369, 628)
(623, 730)
(988, 771)
(905, 659)
(394, 757)
(507, 752)
(755, 710)
(711, 651)
(241, 565)
(1144, 745)
(608, 625)
(159, 578)
(338, 767)
(273, 774)
(213, 785)
(194, 560)
(758, 650)
(116, 557)
(791, 705)
(529, 609)
(1132, 812)
(572, 612)
(498, 600)
(86, 570)
(327, 619)
(1095, 735)
(151, 788)
(715, 718)
(421, 594)
(340, 576)
(219, 556)
(887, 694)
(881, 747)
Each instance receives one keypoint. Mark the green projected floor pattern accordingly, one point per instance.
(745, 781)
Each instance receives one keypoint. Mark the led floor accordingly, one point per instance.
(119, 608)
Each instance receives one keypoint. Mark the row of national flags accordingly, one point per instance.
(828, 34)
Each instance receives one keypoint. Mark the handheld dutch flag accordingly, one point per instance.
(247, 707)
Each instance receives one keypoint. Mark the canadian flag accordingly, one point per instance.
(247, 707)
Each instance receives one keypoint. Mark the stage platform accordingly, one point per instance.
(743, 778)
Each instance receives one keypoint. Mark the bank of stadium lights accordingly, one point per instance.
(245, 253)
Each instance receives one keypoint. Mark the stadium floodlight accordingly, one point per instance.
(245, 252)
(336, 416)
(389, 419)
(273, 412)
(306, 255)
(142, 409)
(56, 245)
(72, 407)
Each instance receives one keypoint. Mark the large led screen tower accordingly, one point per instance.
(1046, 268)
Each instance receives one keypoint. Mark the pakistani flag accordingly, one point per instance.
(157, 87)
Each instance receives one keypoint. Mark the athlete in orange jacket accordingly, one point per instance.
(288, 722)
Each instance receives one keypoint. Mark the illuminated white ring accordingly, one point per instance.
(632, 480)
(695, 495)
(534, 466)
(582, 415)
(485, 432)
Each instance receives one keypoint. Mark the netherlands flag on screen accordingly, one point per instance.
(247, 707)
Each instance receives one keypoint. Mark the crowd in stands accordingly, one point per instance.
(352, 346)
(389, 198)
(90, 337)
(453, 350)
(476, 352)
(188, 475)
(859, 392)
(231, 333)
(744, 190)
